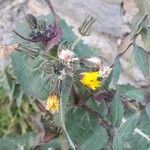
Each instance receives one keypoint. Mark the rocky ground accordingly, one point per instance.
(113, 19)
(10, 12)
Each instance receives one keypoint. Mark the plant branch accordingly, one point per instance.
(121, 54)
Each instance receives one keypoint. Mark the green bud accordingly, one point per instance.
(31, 20)
(41, 25)
(85, 28)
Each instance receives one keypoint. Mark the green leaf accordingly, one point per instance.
(33, 80)
(52, 145)
(117, 143)
(128, 127)
(6, 143)
(144, 123)
(141, 58)
(99, 107)
(107, 82)
(145, 33)
(130, 92)
(117, 110)
(64, 104)
(116, 71)
(16, 143)
(125, 132)
(148, 109)
(139, 143)
(84, 130)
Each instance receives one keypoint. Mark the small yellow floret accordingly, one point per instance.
(52, 103)
(90, 79)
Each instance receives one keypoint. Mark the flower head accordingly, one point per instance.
(52, 103)
(91, 79)
(66, 55)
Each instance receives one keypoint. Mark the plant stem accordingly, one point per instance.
(121, 54)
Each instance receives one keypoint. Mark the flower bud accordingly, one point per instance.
(85, 28)
(41, 25)
(31, 20)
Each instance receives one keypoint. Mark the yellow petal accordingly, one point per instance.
(52, 103)
(90, 79)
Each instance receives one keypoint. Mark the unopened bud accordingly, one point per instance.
(41, 25)
(85, 28)
(31, 20)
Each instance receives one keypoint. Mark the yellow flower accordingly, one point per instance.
(52, 103)
(91, 79)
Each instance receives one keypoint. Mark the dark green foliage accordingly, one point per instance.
(117, 110)
(84, 130)
(141, 58)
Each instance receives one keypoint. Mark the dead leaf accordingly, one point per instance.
(6, 50)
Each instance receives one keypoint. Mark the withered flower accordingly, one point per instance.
(5, 50)
(52, 103)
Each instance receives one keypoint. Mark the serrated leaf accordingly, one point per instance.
(130, 92)
(144, 123)
(117, 143)
(125, 132)
(33, 80)
(141, 140)
(116, 71)
(139, 143)
(128, 127)
(141, 58)
(99, 107)
(117, 110)
(84, 130)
